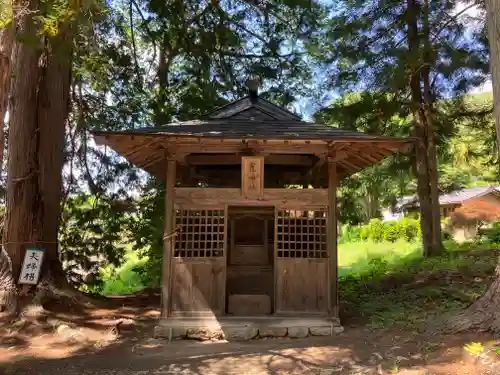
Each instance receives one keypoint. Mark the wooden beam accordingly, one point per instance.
(332, 238)
(350, 166)
(235, 159)
(138, 148)
(168, 237)
(231, 148)
(287, 198)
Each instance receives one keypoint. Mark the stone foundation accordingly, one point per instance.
(245, 329)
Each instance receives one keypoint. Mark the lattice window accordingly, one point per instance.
(201, 233)
(301, 234)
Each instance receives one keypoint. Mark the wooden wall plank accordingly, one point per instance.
(288, 198)
(198, 287)
(332, 239)
(168, 239)
(302, 285)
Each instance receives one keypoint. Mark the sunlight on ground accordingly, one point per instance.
(355, 256)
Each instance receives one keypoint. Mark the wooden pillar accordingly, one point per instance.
(168, 239)
(332, 238)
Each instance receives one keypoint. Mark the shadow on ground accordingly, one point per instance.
(115, 335)
(350, 353)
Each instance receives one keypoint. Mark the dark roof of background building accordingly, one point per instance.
(454, 197)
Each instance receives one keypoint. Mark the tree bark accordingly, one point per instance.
(426, 164)
(6, 44)
(21, 219)
(53, 108)
(493, 19)
(40, 94)
(428, 116)
(420, 131)
(483, 315)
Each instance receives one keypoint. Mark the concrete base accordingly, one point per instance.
(246, 328)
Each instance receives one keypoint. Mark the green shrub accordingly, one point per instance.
(410, 229)
(364, 233)
(376, 230)
(391, 231)
(493, 233)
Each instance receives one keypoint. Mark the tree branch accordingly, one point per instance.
(134, 47)
(148, 31)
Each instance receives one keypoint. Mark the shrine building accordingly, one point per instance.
(250, 232)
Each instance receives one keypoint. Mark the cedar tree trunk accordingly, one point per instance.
(493, 19)
(425, 148)
(428, 116)
(484, 314)
(40, 91)
(6, 44)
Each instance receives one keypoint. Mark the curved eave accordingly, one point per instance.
(352, 154)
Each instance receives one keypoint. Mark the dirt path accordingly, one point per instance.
(87, 342)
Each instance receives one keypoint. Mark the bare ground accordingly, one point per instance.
(71, 341)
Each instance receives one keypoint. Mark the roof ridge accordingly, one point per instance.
(255, 104)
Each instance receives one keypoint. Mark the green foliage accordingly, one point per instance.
(391, 231)
(350, 233)
(493, 233)
(124, 279)
(147, 234)
(92, 236)
(364, 55)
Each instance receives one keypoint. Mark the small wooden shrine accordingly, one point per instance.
(250, 244)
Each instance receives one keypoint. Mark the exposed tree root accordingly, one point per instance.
(22, 301)
(484, 314)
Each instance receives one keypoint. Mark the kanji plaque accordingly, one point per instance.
(252, 175)
(32, 266)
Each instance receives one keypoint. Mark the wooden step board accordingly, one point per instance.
(249, 304)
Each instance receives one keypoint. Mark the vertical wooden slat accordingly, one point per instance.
(332, 238)
(225, 262)
(274, 302)
(168, 239)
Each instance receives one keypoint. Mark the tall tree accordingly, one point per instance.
(40, 103)
(6, 44)
(483, 314)
(493, 21)
(417, 52)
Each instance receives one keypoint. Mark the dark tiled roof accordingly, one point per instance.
(258, 129)
(246, 119)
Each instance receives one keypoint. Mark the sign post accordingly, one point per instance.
(32, 266)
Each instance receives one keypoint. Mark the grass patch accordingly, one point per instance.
(403, 289)
(355, 257)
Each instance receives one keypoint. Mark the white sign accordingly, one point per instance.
(32, 266)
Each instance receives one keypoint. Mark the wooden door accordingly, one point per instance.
(301, 262)
(199, 262)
